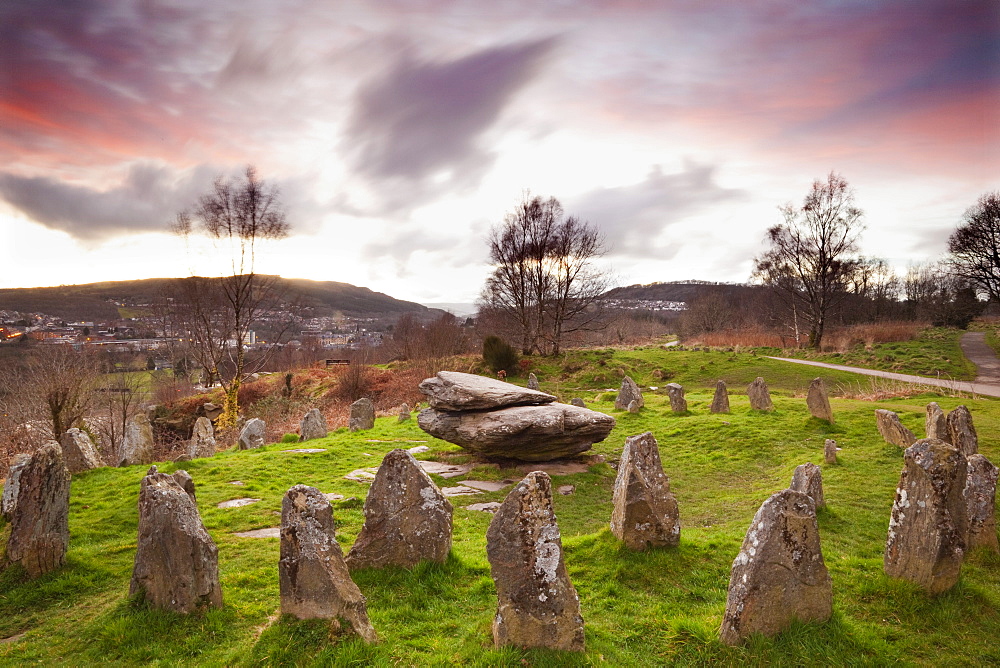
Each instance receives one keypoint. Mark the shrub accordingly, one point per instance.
(498, 354)
(290, 438)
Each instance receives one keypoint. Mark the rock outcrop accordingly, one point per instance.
(39, 523)
(362, 415)
(313, 426)
(892, 430)
(253, 434)
(644, 513)
(79, 452)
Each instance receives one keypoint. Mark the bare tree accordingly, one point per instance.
(239, 214)
(120, 396)
(812, 253)
(974, 247)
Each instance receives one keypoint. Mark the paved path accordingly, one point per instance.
(987, 365)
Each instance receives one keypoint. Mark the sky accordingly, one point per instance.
(400, 131)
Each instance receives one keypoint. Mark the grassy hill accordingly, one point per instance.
(640, 609)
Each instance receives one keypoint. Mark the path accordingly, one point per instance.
(987, 365)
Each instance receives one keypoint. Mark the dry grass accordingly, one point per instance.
(836, 339)
(875, 388)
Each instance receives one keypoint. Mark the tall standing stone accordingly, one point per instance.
(936, 424)
(644, 513)
(404, 413)
(720, 401)
(892, 430)
(818, 401)
(79, 452)
(12, 485)
(538, 605)
(808, 479)
(532, 381)
(980, 495)
(830, 451)
(176, 561)
(312, 575)
(628, 393)
(137, 444)
(313, 426)
(928, 526)
(779, 574)
(252, 435)
(362, 415)
(678, 403)
(202, 442)
(39, 524)
(961, 432)
(760, 396)
(407, 518)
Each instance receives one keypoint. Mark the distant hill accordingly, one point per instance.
(679, 291)
(94, 301)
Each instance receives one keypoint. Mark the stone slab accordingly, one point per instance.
(484, 485)
(236, 503)
(270, 532)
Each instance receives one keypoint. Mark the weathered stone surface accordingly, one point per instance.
(830, 451)
(644, 513)
(488, 507)
(176, 562)
(961, 432)
(760, 396)
(578, 402)
(980, 503)
(252, 435)
(79, 452)
(678, 403)
(312, 575)
(407, 518)
(532, 381)
(818, 401)
(628, 393)
(928, 526)
(404, 413)
(211, 411)
(892, 430)
(455, 391)
(362, 415)
(313, 426)
(633, 406)
(936, 424)
(39, 523)
(720, 401)
(202, 442)
(538, 605)
(528, 433)
(12, 485)
(779, 574)
(137, 445)
(808, 479)
(186, 482)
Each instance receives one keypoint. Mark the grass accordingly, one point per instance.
(650, 608)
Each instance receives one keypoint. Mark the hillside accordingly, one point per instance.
(679, 291)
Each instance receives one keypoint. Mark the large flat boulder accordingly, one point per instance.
(456, 391)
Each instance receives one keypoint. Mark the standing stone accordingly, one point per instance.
(79, 452)
(12, 485)
(980, 503)
(644, 512)
(538, 605)
(634, 407)
(407, 518)
(137, 445)
(962, 433)
(760, 396)
(818, 401)
(830, 451)
(362, 415)
(312, 575)
(808, 479)
(176, 562)
(404, 413)
(936, 424)
(928, 526)
(892, 430)
(39, 523)
(720, 402)
(252, 435)
(202, 439)
(313, 426)
(678, 403)
(184, 479)
(779, 574)
(532, 381)
(628, 393)
(578, 402)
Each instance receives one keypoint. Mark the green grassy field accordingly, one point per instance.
(651, 608)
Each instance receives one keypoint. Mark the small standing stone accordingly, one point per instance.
(362, 415)
(79, 452)
(980, 503)
(929, 523)
(678, 403)
(39, 524)
(312, 575)
(313, 426)
(962, 433)
(532, 381)
(760, 396)
(12, 485)
(779, 574)
(137, 445)
(253, 434)
(628, 393)
(407, 518)
(936, 424)
(633, 406)
(184, 479)
(892, 430)
(644, 512)
(808, 479)
(537, 604)
(818, 401)
(720, 402)
(404, 413)
(830, 451)
(202, 439)
(577, 401)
